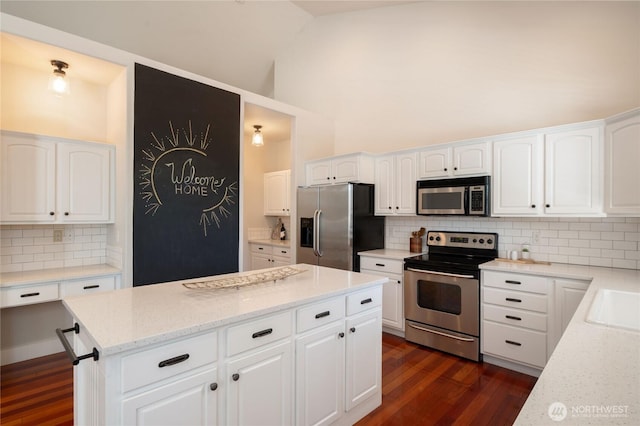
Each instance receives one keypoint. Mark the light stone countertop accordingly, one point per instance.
(594, 372)
(388, 253)
(135, 317)
(11, 279)
(275, 243)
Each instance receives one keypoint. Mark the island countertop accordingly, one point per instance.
(134, 317)
(593, 375)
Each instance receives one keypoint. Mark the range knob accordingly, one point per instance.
(481, 241)
(489, 241)
(437, 238)
(475, 240)
(431, 238)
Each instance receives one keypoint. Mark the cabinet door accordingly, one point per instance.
(517, 184)
(84, 183)
(572, 172)
(392, 299)
(259, 387)
(260, 261)
(405, 184)
(384, 189)
(318, 172)
(434, 163)
(276, 194)
(344, 170)
(28, 179)
(569, 294)
(190, 401)
(320, 376)
(472, 159)
(622, 174)
(363, 357)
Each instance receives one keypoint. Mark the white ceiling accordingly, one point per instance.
(330, 7)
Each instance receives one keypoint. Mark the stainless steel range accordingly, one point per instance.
(442, 291)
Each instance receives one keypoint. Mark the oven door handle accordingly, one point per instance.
(446, 274)
(464, 339)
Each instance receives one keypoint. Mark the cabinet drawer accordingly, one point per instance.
(283, 252)
(152, 365)
(26, 295)
(95, 285)
(321, 313)
(515, 299)
(259, 332)
(515, 343)
(363, 300)
(530, 283)
(260, 248)
(515, 317)
(392, 266)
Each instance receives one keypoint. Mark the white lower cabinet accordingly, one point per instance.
(268, 256)
(392, 290)
(314, 364)
(524, 315)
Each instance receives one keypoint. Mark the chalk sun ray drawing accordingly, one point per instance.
(197, 144)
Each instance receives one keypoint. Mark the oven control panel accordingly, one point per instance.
(472, 240)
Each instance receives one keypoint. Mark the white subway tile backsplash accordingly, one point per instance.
(31, 247)
(609, 242)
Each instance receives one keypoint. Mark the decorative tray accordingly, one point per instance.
(244, 280)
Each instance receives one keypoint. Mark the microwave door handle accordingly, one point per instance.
(467, 200)
(446, 274)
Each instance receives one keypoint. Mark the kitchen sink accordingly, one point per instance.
(616, 308)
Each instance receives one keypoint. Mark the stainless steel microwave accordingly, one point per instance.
(458, 196)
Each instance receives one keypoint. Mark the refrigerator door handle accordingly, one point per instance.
(316, 237)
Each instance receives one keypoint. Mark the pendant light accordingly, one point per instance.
(257, 136)
(58, 83)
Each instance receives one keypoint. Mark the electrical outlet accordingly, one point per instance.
(67, 235)
(535, 237)
(57, 235)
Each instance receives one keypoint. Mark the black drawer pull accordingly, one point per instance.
(323, 314)
(511, 342)
(69, 349)
(380, 264)
(89, 287)
(512, 282)
(513, 318)
(213, 386)
(172, 361)
(341, 335)
(260, 248)
(511, 299)
(365, 301)
(352, 329)
(262, 333)
(235, 377)
(30, 294)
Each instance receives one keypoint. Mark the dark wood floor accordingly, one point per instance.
(419, 387)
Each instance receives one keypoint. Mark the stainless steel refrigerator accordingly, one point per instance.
(335, 222)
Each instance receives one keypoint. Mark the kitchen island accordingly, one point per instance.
(299, 350)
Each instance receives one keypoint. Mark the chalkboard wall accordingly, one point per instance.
(187, 156)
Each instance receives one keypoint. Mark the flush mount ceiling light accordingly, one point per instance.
(57, 83)
(257, 136)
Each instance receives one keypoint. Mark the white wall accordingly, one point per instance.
(432, 72)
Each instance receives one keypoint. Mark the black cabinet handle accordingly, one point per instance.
(513, 318)
(173, 361)
(455, 168)
(511, 299)
(88, 287)
(511, 342)
(235, 377)
(69, 349)
(213, 386)
(352, 329)
(51, 213)
(382, 265)
(260, 248)
(323, 314)
(262, 333)
(365, 301)
(445, 169)
(341, 335)
(512, 282)
(533, 206)
(30, 294)
(66, 213)
(547, 205)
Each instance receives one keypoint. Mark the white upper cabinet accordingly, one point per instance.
(345, 168)
(395, 184)
(458, 160)
(622, 165)
(517, 183)
(573, 172)
(555, 174)
(51, 180)
(277, 193)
